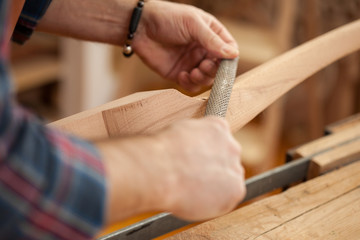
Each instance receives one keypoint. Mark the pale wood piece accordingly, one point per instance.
(273, 213)
(327, 142)
(347, 123)
(127, 115)
(34, 72)
(252, 92)
(338, 156)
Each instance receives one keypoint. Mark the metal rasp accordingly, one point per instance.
(221, 91)
(163, 223)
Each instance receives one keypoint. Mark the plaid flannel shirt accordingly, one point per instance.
(52, 185)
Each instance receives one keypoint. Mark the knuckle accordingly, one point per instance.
(239, 193)
(236, 147)
(192, 14)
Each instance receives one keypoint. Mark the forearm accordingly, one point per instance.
(103, 21)
(137, 176)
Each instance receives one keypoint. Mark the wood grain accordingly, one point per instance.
(336, 219)
(273, 215)
(252, 93)
(138, 113)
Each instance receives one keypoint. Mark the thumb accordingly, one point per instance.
(213, 42)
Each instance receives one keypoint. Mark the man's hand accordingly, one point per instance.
(182, 43)
(178, 41)
(191, 169)
(208, 179)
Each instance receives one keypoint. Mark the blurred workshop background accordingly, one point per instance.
(57, 77)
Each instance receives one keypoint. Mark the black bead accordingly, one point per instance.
(135, 18)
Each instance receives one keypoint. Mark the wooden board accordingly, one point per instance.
(252, 92)
(326, 207)
(332, 220)
(142, 112)
(331, 151)
(343, 124)
(326, 142)
(337, 156)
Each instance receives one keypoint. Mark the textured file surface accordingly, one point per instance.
(221, 90)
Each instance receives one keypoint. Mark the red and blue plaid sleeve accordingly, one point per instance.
(32, 11)
(52, 186)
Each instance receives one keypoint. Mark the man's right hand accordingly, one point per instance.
(191, 168)
(208, 179)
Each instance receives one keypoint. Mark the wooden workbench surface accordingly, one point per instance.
(327, 207)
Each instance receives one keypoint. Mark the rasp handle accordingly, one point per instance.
(220, 93)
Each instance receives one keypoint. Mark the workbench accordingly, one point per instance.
(325, 207)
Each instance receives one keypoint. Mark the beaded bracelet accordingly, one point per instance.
(135, 18)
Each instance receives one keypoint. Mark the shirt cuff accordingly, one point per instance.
(31, 13)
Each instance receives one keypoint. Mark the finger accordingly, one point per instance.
(196, 55)
(222, 31)
(240, 169)
(199, 78)
(210, 39)
(209, 67)
(184, 81)
(193, 55)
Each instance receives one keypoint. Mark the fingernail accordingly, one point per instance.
(229, 51)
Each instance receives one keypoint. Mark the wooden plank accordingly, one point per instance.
(330, 141)
(334, 158)
(137, 113)
(252, 92)
(331, 151)
(343, 124)
(336, 219)
(349, 123)
(152, 113)
(259, 218)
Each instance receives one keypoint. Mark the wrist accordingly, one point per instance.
(141, 34)
(134, 22)
(136, 176)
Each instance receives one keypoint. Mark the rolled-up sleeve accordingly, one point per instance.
(52, 186)
(31, 13)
